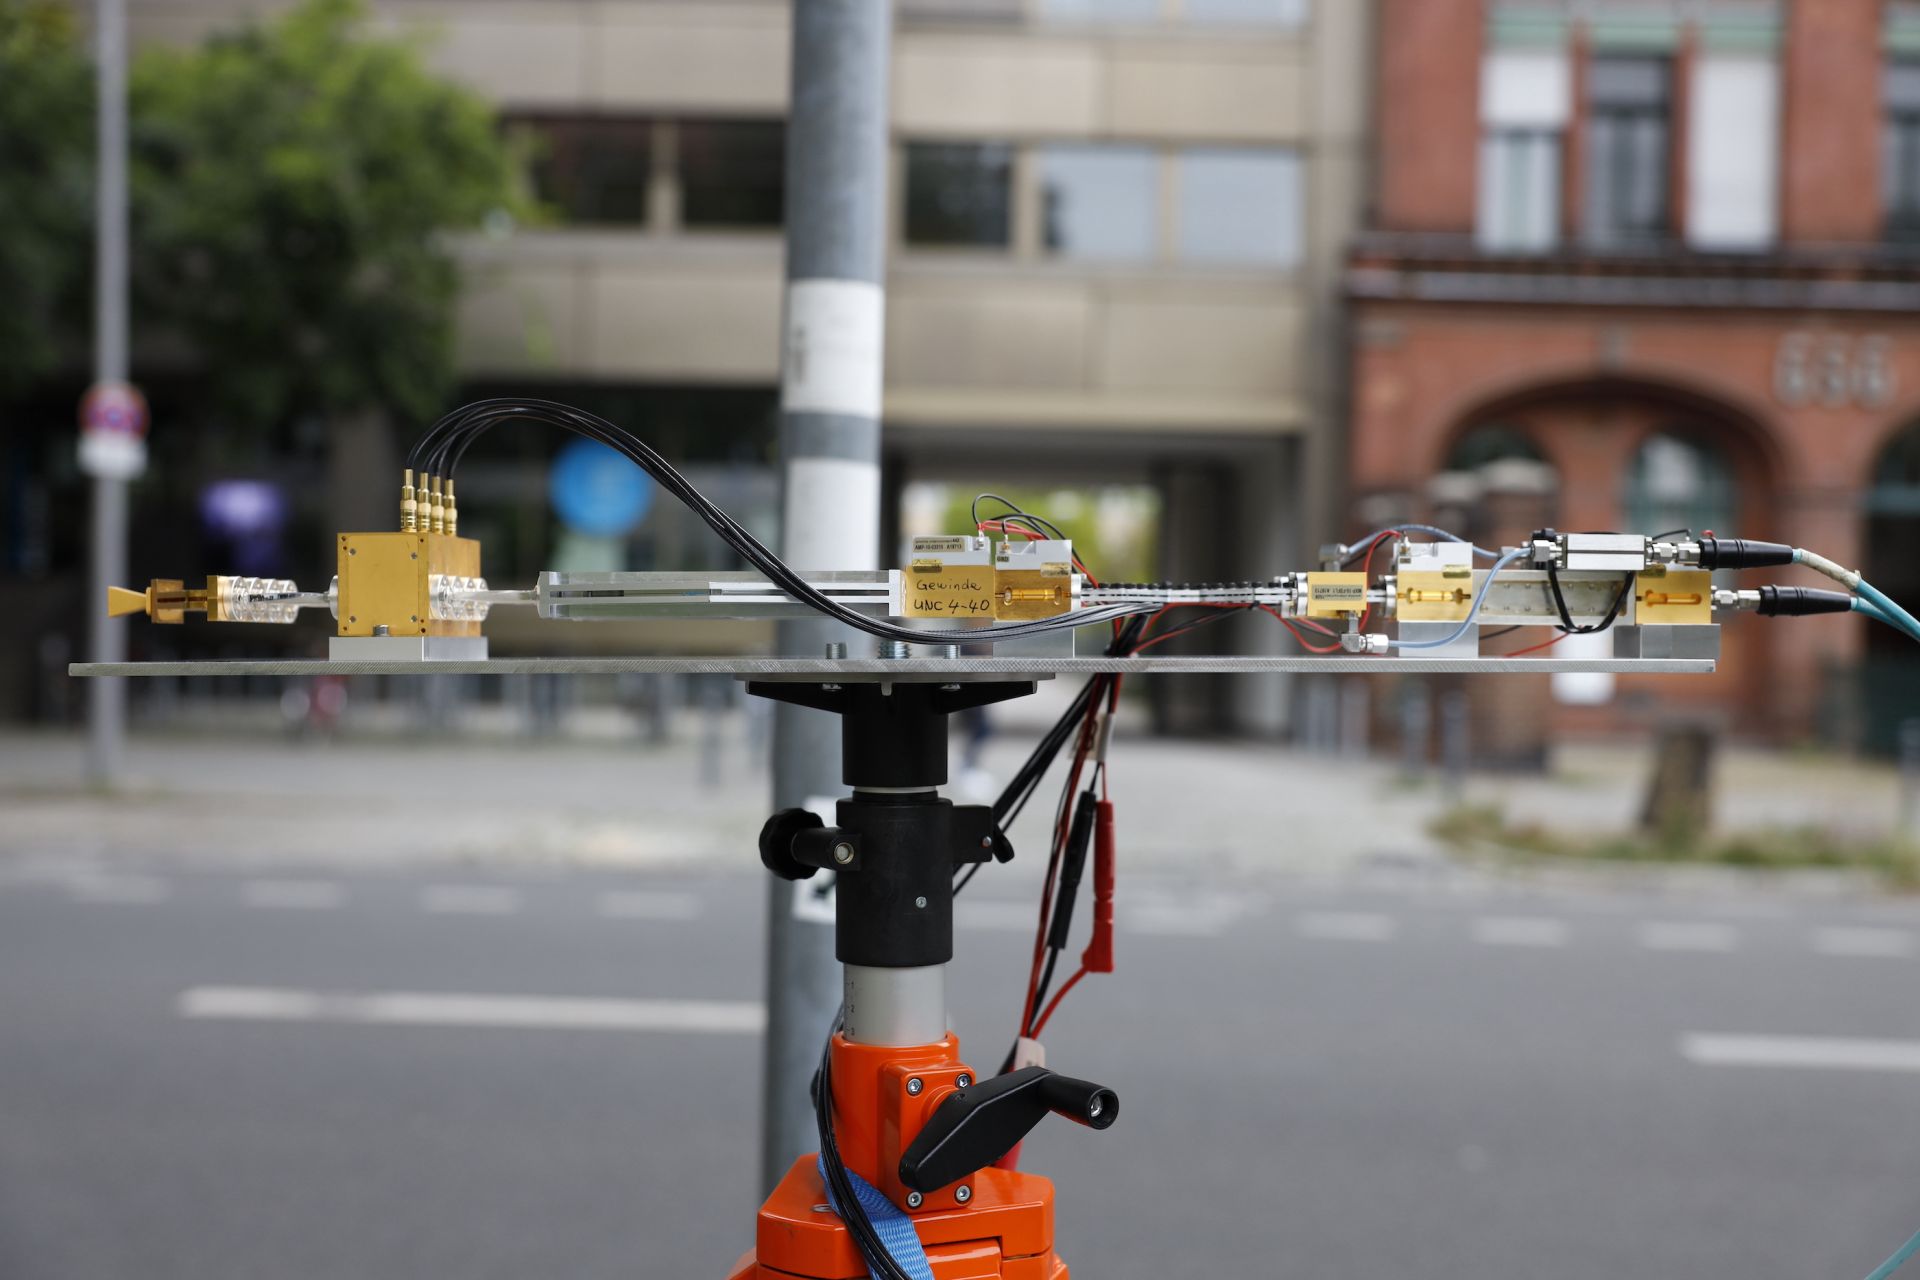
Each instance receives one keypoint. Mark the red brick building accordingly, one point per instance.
(1650, 265)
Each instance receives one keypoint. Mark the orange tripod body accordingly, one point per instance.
(909, 1117)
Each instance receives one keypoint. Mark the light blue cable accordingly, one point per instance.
(1900, 1255)
(1479, 598)
(1890, 612)
(1420, 528)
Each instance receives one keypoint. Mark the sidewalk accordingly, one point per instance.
(1193, 807)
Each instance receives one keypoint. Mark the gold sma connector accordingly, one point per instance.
(169, 601)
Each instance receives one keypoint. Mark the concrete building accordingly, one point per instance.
(1117, 235)
(1646, 264)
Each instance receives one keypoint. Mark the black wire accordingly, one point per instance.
(1037, 524)
(879, 1259)
(1502, 631)
(1566, 618)
(1669, 533)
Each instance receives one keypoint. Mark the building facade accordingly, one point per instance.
(1653, 265)
(1116, 239)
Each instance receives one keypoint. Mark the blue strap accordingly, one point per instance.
(890, 1223)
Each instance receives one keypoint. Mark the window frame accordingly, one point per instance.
(1613, 227)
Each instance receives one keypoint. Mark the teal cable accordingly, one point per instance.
(1900, 1255)
(1898, 616)
(1867, 609)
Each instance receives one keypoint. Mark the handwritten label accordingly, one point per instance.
(944, 592)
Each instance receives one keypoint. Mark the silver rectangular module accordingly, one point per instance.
(1606, 551)
(900, 668)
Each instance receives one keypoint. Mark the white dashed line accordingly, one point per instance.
(120, 890)
(419, 1009)
(1346, 926)
(292, 895)
(1688, 935)
(1520, 931)
(1864, 943)
(470, 899)
(1814, 1052)
(636, 904)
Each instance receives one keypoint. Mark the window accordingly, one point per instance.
(959, 194)
(732, 173)
(1275, 13)
(1239, 206)
(1679, 483)
(1100, 203)
(591, 171)
(1519, 190)
(1900, 151)
(1627, 151)
(1103, 10)
(1733, 151)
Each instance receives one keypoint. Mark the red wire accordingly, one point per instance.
(1058, 996)
(1304, 642)
(1367, 569)
(1535, 648)
(1001, 526)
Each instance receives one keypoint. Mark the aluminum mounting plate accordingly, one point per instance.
(899, 669)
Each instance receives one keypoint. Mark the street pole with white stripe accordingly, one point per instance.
(830, 498)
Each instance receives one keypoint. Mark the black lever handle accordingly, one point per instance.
(975, 1126)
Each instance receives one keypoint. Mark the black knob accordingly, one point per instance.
(776, 842)
(973, 1127)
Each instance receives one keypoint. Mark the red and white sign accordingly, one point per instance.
(113, 431)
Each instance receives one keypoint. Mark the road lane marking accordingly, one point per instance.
(1688, 935)
(1520, 931)
(1346, 926)
(1827, 1053)
(1859, 941)
(470, 899)
(644, 904)
(292, 895)
(423, 1009)
(120, 890)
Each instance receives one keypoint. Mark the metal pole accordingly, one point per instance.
(107, 699)
(830, 455)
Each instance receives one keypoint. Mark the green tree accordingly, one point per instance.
(293, 183)
(46, 184)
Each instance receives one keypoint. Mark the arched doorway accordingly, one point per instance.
(1891, 668)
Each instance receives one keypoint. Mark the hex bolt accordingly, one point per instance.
(914, 1199)
(381, 629)
(893, 650)
(914, 1085)
(963, 1193)
(843, 853)
(962, 1080)
(836, 650)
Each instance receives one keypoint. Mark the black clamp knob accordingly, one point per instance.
(975, 1126)
(795, 843)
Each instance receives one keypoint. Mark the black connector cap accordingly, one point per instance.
(1738, 553)
(1801, 602)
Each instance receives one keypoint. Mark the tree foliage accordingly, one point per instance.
(293, 182)
(46, 184)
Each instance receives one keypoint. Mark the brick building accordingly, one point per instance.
(1651, 265)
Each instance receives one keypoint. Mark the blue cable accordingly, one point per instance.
(1890, 613)
(1480, 598)
(1421, 528)
(1900, 1255)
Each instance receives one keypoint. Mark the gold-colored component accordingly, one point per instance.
(1335, 595)
(169, 600)
(436, 507)
(1430, 596)
(1020, 595)
(1673, 597)
(934, 589)
(384, 581)
(409, 506)
(453, 517)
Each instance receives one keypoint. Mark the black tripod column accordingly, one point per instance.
(894, 846)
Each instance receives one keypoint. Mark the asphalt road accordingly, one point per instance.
(471, 1074)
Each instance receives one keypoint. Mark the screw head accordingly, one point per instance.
(962, 1080)
(986, 842)
(920, 902)
(914, 1085)
(843, 853)
(914, 1199)
(963, 1193)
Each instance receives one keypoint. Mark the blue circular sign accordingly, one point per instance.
(597, 491)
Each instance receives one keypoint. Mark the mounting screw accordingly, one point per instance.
(920, 902)
(986, 842)
(416, 555)
(381, 630)
(914, 1085)
(962, 1080)
(353, 551)
(963, 1193)
(914, 1199)
(843, 853)
(836, 650)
